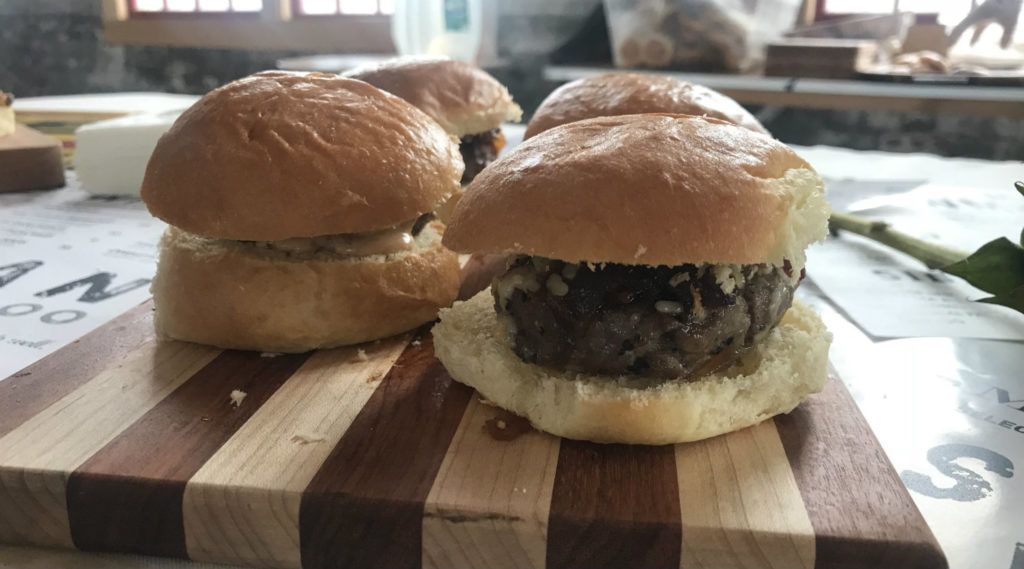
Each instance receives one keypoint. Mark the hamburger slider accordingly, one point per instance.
(648, 291)
(461, 97)
(615, 94)
(300, 212)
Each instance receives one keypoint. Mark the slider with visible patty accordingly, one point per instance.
(467, 101)
(615, 94)
(301, 215)
(648, 291)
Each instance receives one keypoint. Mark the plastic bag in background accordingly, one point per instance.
(696, 35)
(438, 27)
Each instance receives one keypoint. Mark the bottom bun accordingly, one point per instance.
(774, 377)
(232, 295)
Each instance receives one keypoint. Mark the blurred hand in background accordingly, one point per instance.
(1003, 13)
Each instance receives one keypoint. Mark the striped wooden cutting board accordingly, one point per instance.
(373, 457)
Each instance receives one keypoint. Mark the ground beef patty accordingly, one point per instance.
(662, 322)
(479, 150)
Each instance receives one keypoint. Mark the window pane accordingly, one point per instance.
(214, 5)
(387, 6)
(319, 6)
(181, 5)
(358, 6)
(859, 6)
(247, 5)
(149, 5)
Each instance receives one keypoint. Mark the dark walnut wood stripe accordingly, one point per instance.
(860, 511)
(364, 508)
(26, 393)
(128, 497)
(614, 506)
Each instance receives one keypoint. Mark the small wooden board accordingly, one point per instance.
(30, 160)
(372, 456)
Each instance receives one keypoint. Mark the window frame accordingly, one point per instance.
(297, 13)
(276, 27)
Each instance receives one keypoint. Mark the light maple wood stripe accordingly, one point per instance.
(740, 504)
(39, 455)
(243, 504)
(41, 384)
(489, 504)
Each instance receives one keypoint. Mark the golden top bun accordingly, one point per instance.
(615, 94)
(279, 155)
(645, 190)
(461, 97)
(774, 377)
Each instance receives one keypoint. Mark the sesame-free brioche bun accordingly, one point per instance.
(232, 295)
(774, 377)
(645, 190)
(615, 94)
(279, 155)
(461, 97)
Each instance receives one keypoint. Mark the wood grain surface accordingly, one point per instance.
(26, 393)
(490, 502)
(365, 506)
(371, 456)
(30, 160)
(740, 504)
(242, 506)
(170, 443)
(861, 513)
(38, 457)
(614, 506)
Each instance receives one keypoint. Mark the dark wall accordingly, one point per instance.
(55, 47)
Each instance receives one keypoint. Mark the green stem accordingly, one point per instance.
(932, 255)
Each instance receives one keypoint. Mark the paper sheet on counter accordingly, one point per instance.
(962, 218)
(69, 262)
(950, 415)
(890, 294)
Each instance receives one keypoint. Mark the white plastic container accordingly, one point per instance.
(439, 27)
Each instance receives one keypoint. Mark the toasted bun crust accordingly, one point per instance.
(615, 94)
(645, 189)
(461, 97)
(279, 155)
(775, 377)
(220, 293)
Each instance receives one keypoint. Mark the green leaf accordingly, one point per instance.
(997, 267)
(1013, 299)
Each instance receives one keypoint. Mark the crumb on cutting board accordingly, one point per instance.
(237, 396)
(307, 438)
(361, 355)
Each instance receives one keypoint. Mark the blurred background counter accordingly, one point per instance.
(844, 82)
